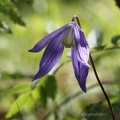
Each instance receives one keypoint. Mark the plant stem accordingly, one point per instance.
(103, 90)
(96, 75)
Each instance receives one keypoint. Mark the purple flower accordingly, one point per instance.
(69, 36)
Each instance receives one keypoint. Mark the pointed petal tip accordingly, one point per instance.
(37, 76)
(35, 79)
(83, 89)
(32, 50)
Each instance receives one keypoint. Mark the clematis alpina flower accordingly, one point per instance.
(69, 36)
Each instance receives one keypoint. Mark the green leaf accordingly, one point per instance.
(39, 94)
(9, 9)
(51, 86)
(43, 97)
(46, 89)
(18, 105)
(115, 39)
(95, 38)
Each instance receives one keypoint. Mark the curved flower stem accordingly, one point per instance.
(103, 90)
(78, 21)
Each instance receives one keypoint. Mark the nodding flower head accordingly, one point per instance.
(68, 36)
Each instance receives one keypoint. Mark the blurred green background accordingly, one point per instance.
(22, 24)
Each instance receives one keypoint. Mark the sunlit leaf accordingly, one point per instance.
(18, 104)
(115, 39)
(35, 94)
(39, 95)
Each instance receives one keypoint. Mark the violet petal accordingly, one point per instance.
(80, 70)
(50, 57)
(47, 39)
(81, 45)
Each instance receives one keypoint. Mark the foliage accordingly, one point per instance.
(41, 93)
(9, 8)
(47, 89)
(17, 105)
(57, 96)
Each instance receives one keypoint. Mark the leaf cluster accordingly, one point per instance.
(46, 89)
(9, 9)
